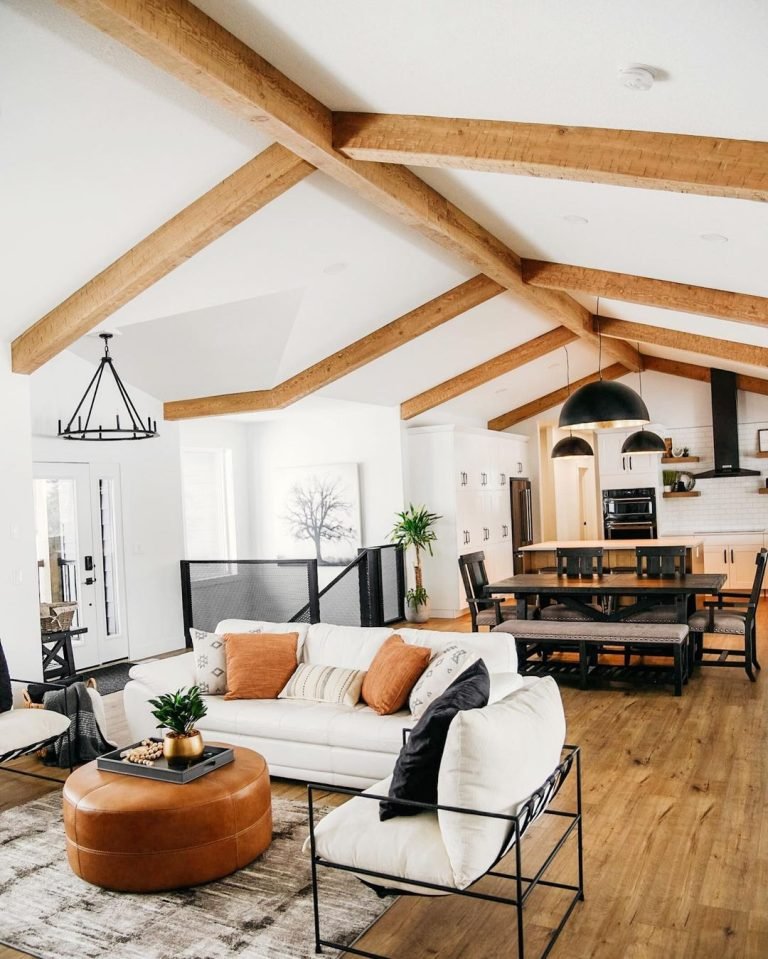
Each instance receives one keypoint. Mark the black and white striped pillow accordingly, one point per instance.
(325, 684)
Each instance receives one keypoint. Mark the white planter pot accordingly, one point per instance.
(417, 614)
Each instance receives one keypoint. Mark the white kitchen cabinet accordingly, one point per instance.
(733, 555)
(463, 475)
(619, 470)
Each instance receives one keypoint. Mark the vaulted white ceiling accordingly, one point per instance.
(100, 148)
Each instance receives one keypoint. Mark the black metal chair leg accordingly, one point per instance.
(678, 659)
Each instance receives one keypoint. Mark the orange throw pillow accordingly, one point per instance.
(259, 664)
(393, 674)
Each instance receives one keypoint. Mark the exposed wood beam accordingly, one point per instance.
(739, 307)
(659, 161)
(233, 200)
(678, 340)
(424, 318)
(691, 371)
(544, 403)
(181, 39)
(497, 366)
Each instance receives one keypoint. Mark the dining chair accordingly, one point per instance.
(578, 562)
(735, 615)
(659, 562)
(483, 610)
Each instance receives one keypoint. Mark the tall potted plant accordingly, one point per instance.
(413, 528)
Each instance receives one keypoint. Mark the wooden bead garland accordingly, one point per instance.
(143, 755)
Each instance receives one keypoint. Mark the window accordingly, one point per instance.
(208, 503)
(109, 556)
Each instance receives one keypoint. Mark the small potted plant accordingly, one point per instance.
(668, 478)
(413, 528)
(178, 712)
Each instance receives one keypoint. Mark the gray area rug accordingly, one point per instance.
(261, 912)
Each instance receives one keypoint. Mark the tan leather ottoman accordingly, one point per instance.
(137, 835)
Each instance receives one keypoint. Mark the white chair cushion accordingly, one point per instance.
(21, 728)
(497, 650)
(502, 684)
(406, 847)
(350, 646)
(494, 758)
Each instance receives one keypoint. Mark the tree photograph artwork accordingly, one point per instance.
(319, 513)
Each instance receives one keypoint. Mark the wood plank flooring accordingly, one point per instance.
(676, 832)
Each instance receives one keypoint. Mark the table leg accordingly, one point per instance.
(521, 600)
(583, 665)
(677, 651)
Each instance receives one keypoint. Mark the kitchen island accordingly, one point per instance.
(617, 552)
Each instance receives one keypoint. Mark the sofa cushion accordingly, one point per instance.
(210, 661)
(6, 693)
(438, 676)
(394, 671)
(494, 758)
(259, 666)
(163, 675)
(353, 835)
(21, 728)
(351, 646)
(499, 654)
(262, 626)
(416, 771)
(324, 684)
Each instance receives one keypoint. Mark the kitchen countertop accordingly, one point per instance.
(614, 544)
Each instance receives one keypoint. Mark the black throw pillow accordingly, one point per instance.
(418, 765)
(6, 693)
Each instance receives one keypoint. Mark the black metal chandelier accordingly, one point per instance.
(570, 445)
(77, 429)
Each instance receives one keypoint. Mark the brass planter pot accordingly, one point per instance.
(183, 748)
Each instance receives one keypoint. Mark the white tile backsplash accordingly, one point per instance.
(725, 504)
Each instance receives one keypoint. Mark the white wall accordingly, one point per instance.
(19, 611)
(340, 432)
(217, 433)
(153, 539)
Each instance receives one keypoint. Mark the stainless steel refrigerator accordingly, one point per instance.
(522, 519)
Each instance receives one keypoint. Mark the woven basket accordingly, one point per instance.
(56, 617)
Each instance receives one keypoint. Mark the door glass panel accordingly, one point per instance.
(56, 539)
(109, 555)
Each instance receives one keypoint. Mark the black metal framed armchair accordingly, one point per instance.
(484, 610)
(734, 612)
(25, 731)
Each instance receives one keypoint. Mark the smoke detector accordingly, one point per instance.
(637, 77)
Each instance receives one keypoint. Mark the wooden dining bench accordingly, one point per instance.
(589, 639)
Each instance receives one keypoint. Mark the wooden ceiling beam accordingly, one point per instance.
(424, 318)
(738, 307)
(711, 166)
(544, 403)
(485, 372)
(247, 190)
(691, 371)
(179, 38)
(679, 340)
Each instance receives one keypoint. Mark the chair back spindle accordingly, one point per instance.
(660, 561)
(581, 562)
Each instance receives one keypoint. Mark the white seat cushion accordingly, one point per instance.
(493, 760)
(499, 654)
(406, 847)
(350, 646)
(21, 728)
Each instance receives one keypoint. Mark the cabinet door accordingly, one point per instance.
(742, 559)
(471, 460)
(609, 450)
(716, 560)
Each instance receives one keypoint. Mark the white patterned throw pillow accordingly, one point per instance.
(325, 684)
(210, 661)
(438, 676)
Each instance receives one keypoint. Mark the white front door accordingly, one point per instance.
(79, 556)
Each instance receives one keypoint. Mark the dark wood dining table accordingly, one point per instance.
(643, 592)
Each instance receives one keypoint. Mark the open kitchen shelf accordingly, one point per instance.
(760, 456)
(691, 492)
(763, 489)
(689, 459)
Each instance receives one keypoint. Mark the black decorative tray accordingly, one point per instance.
(214, 757)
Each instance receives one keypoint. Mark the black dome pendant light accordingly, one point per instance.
(643, 441)
(570, 445)
(603, 404)
(76, 429)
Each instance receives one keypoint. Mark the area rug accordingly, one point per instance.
(261, 912)
(109, 679)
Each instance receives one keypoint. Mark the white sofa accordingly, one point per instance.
(338, 745)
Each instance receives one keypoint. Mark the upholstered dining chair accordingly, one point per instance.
(659, 562)
(484, 610)
(734, 612)
(580, 562)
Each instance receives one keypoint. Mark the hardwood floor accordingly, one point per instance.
(676, 832)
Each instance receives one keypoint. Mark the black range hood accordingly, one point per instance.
(725, 428)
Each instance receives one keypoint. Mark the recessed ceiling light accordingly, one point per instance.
(575, 218)
(713, 237)
(636, 77)
(333, 268)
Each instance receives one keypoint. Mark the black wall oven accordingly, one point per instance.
(629, 513)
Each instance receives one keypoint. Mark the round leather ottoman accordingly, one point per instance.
(136, 835)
